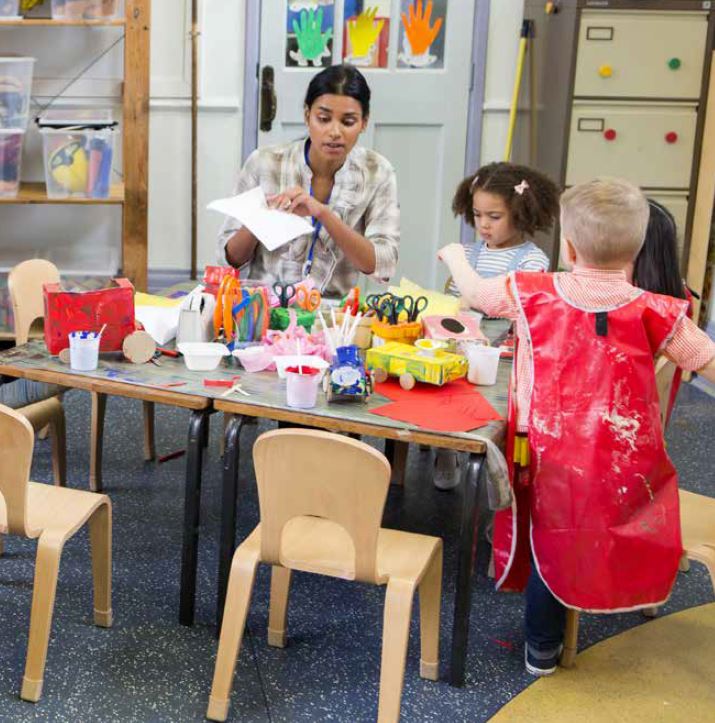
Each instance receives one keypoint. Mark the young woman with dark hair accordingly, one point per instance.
(349, 192)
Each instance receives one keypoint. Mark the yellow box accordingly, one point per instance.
(397, 359)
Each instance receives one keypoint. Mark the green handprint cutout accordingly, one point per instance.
(312, 41)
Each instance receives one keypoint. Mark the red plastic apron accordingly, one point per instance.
(601, 496)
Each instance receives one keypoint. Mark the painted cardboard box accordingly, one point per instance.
(67, 311)
(396, 359)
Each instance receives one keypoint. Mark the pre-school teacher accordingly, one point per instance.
(348, 192)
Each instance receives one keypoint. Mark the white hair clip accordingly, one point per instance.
(473, 184)
(521, 187)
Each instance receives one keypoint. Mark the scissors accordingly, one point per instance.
(309, 300)
(390, 308)
(414, 306)
(374, 303)
(284, 292)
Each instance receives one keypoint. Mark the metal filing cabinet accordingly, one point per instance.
(617, 88)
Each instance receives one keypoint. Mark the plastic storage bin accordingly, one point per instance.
(78, 153)
(15, 87)
(84, 9)
(9, 10)
(10, 161)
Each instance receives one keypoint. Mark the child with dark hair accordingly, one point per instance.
(506, 204)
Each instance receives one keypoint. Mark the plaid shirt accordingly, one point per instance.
(364, 196)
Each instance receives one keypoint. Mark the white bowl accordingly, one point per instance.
(202, 356)
(292, 360)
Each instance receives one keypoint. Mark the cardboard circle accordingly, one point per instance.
(139, 347)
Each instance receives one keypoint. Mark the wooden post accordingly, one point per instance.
(704, 198)
(136, 142)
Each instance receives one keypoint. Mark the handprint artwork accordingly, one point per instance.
(366, 33)
(421, 34)
(311, 27)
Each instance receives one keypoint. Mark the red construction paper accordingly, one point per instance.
(448, 411)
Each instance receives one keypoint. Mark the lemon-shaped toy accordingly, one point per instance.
(68, 166)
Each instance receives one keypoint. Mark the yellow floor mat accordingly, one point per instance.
(663, 670)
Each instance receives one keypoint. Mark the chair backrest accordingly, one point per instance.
(16, 442)
(25, 284)
(664, 372)
(305, 472)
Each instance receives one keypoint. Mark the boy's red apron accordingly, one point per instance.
(602, 495)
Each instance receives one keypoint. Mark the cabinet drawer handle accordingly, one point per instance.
(610, 134)
(671, 137)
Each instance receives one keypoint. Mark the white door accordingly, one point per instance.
(418, 69)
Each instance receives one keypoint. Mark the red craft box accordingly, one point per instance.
(67, 311)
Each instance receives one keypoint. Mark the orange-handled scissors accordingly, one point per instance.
(309, 300)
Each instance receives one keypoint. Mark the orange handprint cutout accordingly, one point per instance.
(418, 32)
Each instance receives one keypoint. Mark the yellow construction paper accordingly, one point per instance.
(437, 304)
(142, 299)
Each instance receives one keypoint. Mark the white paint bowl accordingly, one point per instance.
(202, 356)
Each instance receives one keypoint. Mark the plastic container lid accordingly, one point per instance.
(11, 131)
(76, 119)
(16, 59)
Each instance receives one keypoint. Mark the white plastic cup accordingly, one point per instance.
(302, 390)
(84, 350)
(483, 364)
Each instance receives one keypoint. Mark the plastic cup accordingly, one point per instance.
(302, 389)
(483, 364)
(84, 350)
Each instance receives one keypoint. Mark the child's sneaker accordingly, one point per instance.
(446, 469)
(541, 663)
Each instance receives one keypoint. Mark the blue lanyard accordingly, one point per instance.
(317, 226)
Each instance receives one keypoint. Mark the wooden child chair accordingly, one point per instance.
(25, 286)
(51, 515)
(321, 499)
(25, 283)
(697, 522)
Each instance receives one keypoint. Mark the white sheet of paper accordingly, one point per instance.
(271, 227)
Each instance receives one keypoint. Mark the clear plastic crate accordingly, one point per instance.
(9, 10)
(84, 9)
(10, 161)
(78, 152)
(15, 88)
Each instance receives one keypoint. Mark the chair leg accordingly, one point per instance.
(58, 435)
(99, 406)
(149, 443)
(395, 635)
(222, 441)
(47, 565)
(430, 591)
(2, 545)
(278, 610)
(238, 598)
(568, 656)
(100, 540)
(684, 565)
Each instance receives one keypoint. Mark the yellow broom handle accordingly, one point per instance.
(515, 92)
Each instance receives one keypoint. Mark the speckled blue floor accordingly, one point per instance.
(148, 668)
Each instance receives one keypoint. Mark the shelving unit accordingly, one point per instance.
(132, 194)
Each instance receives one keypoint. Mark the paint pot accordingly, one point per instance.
(483, 364)
(84, 350)
(302, 388)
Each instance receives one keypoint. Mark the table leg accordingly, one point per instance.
(192, 508)
(99, 406)
(466, 557)
(149, 443)
(229, 496)
(396, 452)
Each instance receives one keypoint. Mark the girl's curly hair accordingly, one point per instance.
(533, 210)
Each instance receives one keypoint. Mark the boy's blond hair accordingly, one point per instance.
(606, 220)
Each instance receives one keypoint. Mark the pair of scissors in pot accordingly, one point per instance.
(308, 299)
(285, 293)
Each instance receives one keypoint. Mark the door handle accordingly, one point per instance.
(269, 102)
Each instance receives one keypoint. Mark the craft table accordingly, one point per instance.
(169, 384)
(267, 401)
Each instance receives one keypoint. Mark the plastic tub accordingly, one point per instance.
(9, 10)
(483, 364)
(302, 386)
(84, 9)
(78, 160)
(15, 87)
(202, 356)
(10, 161)
(283, 362)
(84, 350)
